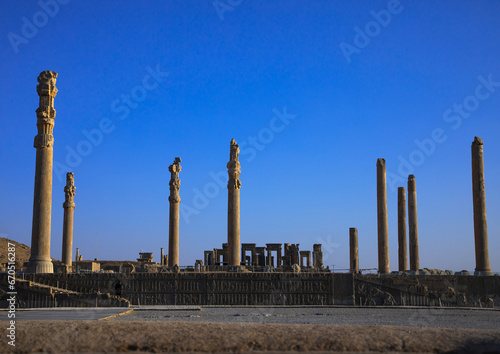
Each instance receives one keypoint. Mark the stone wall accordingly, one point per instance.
(213, 288)
(234, 288)
(427, 290)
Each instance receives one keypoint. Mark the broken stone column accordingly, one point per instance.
(383, 230)
(173, 225)
(353, 247)
(77, 257)
(294, 254)
(40, 261)
(233, 206)
(479, 199)
(69, 207)
(317, 256)
(412, 223)
(161, 256)
(402, 248)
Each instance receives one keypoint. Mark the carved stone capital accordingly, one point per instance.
(235, 151)
(233, 167)
(45, 112)
(175, 182)
(234, 184)
(47, 83)
(45, 115)
(174, 199)
(175, 185)
(175, 168)
(69, 190)
(69, 204)
(43, 141)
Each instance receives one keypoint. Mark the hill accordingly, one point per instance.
(23, 252)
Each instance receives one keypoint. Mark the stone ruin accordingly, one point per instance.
(243, 273)
(255, 258)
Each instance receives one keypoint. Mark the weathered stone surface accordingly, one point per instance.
(413, 223)
(69, 207)
(383, 230)
(307, 256)
(317, 256)
(479, 199)
(279, 254)
(402, 249)
(304, 288)
(233, 205)
(40, 261)
(174, 199)
(252, 259)
(353, 250)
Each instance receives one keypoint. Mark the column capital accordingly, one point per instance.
(45, 112)
(47, 83)
(69, 191)
(233, 167)
(174, 199)
(175, 182)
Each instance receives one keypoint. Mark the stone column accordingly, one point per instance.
(479, 199)
(383, 230)
(40, 261)
(69, 207)
(161, 256)
(233, 206)
(173, 226)
(402, 249)
(412, 223)
(353, 246)
(77, 257)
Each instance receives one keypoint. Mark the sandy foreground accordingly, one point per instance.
(110, 336)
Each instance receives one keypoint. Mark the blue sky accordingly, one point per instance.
(313, 91)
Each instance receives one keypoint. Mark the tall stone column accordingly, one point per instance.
(479, 199)
(402, 249)
(173, 226)
(353, 247)
(413, 223)
(383, 229)
(69, 207)
(40, 261)
(233, 206)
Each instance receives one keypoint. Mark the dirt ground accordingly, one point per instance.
(111, 336)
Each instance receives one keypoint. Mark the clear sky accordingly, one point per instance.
(313, 91)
